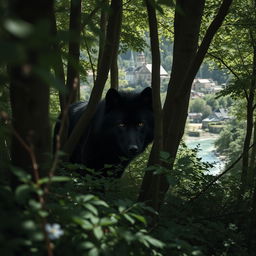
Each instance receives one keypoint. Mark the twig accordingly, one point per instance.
(58, 141)
(224, 63)
(90, 59)
(29, 148)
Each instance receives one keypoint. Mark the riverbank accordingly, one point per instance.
(207, 150)
(203, 134)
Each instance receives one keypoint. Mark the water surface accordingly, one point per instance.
(207, 149)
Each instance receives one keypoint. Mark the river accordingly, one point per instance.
(206, 145)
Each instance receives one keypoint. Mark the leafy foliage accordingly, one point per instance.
(90, 222)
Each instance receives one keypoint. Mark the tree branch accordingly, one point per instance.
(218, 177)
(224, 64)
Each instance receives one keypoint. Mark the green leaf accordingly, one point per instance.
(18, 28)
(100, 202)
(139, 218)
(43, 214)
(85, 224)
(121, 208)
(34, 204)
(29, 225)
(129, 218)
(91, 208)
(85, 198)
(107, 221)
(93, 252)
(98, 233)
(87, 245)
(95, 220)
(21, 174)
(154, 242)
(54, 179)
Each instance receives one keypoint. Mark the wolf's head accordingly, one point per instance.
(128, 121)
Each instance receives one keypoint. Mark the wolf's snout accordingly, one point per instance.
(133, 149)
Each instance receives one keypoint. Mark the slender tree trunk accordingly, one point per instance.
(58, 63)
(114, 74)
(252, 226)
(252, 166)
(186, 63)
(249, 128)
(179, 87)
(29, 93)
(186, 31)
(73, 82)
(112, 39)
(5, 159)
(150, 186)
(103, 31)
(114, 63)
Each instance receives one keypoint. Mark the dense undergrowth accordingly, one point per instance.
(73, 216)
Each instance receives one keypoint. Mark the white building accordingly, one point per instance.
(204, 85)
(143, 73)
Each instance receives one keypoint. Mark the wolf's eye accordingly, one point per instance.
(140, 124)
(121, 125)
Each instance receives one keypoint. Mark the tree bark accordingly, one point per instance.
(252, 175)
(73, 82)
(252, 226)
(29, 93)
(112, 39)
(103, 31)
(186, 62)
(249, 128)
(114, 74)
(150, 185)
(179, 87)
(114, 63)
(58, 66)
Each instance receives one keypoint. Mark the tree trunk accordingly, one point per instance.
(186, 62)
(58, 63)
(73, 82)
(252, 226)
(180, 85)
(251, 174)
(114, 63)
(112, 39)
(29, 93)
(152, 195)
(186, 31)
(5, 159)
(114, 74)
(103, 31)
(249, 128)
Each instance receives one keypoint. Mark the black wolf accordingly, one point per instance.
(120, 129)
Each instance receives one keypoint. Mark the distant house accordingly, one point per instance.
(205, 86)
(195, 117)
(143, 74)
(218, 116)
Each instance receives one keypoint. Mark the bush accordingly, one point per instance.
(75, 223)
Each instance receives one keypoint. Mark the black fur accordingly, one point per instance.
(120, 129)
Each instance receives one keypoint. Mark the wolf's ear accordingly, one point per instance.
(146, 97)
(112, 99)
